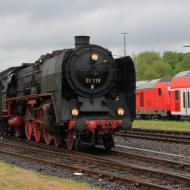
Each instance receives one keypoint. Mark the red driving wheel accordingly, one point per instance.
(28, 130)
(47, 137)
(37, 131)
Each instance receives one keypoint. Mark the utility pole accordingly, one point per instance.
(124, 42)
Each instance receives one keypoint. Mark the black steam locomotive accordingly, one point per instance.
(71, 96)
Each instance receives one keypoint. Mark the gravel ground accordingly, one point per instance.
(48, 170)
(178, 149)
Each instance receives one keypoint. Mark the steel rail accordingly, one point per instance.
(179, 139)
(185, 133)
(176, 164)
(94, 172)
(172, 163)
(162, 134)
(106, 161)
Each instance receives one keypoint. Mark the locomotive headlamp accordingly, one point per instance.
(120, 111)
(94, 57)
(74, 112)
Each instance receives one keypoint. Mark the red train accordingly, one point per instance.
(164, 98)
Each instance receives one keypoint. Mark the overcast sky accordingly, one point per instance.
(29, 28)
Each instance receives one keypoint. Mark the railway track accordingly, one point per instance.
(125, 172)
(179, 137)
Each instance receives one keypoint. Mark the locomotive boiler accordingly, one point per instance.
(71, 96)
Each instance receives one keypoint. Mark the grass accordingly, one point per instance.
(163, 125)
(15, 178)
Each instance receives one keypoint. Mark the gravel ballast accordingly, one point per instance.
(177, 152)
(48, 170)
(182, 154)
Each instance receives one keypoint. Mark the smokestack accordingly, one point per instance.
(82, 40)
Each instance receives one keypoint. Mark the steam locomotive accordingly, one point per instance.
(71, 96)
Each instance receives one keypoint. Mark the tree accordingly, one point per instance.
(172, 58)
(184, 64)
(143, 64)
(149, 65)
(162, 69)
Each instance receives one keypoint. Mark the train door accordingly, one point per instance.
(142, 99)
(184, 101)
(160, 100)
(188, 101)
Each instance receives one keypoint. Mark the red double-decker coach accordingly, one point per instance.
(152, 99)
(164, 98)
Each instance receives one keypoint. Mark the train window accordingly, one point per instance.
(184, 102)
(188, 99)
(142, 99)
(159, 91)
(176, 95)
